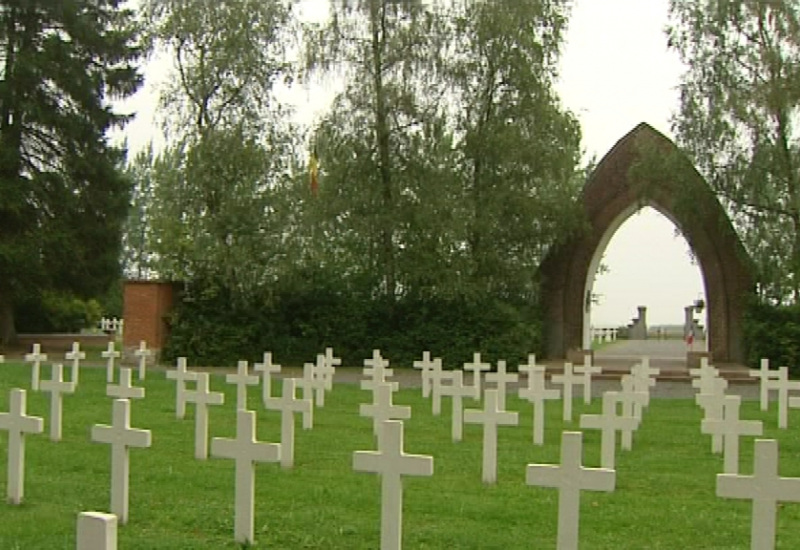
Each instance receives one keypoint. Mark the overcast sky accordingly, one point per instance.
(616, 72)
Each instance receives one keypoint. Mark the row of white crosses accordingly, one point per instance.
(764, 487)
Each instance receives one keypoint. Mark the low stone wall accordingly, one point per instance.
(63, 342)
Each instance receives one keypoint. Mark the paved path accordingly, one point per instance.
(669, 350)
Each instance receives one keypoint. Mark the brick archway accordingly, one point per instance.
(646, 169)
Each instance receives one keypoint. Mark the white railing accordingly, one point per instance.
(604, 334)
(112, 324)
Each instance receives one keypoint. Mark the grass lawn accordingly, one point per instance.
(664, 495)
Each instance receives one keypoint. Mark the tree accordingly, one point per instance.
(738, 120)
(62, 196)
(518, 148)
(383, 146)
(217, 186)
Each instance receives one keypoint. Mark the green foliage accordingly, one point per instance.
(62, 197)
(58, 312)
(773, 332)
(738, 120)
(211, 328)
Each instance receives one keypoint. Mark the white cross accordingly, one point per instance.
(632, 401)
(765, 488)
(322, 373)
(109, 355)
(376, 371)
(246, 451)
(707, 378)
(267, 369)
(476, 367)
(382, 408)
(491, 417)
(501, 378)
(17, 423)
(609, 424)
(97, 531)
(142, 354)
(783, 385)
(202, 397)
(570, 478)
(390, 462)
(242, 379)
(437, 376)
(730, 428)
(587, 370)
(125, 389)
(568, 379)
(307, 385)
(181, 375)
(120, 436)
(537, 393)
(457, 390)
(288, 404)
(56, 386)
(35, 357)
(764, 375)
(329, 369)
(713, 405)
(426, 365)
(75, 355)
(704, 370)
(643, 379)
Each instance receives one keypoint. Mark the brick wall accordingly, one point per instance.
(146, 307)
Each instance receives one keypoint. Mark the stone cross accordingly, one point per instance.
(643, 379)
(437, 376)
(765, 376)
(56, 386)
(242, 379)
(307, 384)
(202, 397)
(390, 462)
(181, 375)
(713, 406)
(246, 451)
(76, 356)
(730, 428)
(632, 402)
(288, 404)
(17, 423)
(121, 437)
(703, 372)
(376, 371)
(382, 408)
(765, 488)
(491, 417)
(426, 365)
(587, 370)
(570, 478)
(110, 355)
(457, 391)
(329, 369)
(35, 358)
(267, 369)
(609, 424)
(142, 354)
(537, 393)
(476, 367)
(568, 379)
(97, 531)
(707, 379)
(501, 378)
(322, 373)
(783, 385)
(125, 389)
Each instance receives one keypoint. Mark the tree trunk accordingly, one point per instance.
(8, 329)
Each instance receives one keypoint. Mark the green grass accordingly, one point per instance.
(664, 496)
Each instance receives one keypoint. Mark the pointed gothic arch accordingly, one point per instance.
(646, 169)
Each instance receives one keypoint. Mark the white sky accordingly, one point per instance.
(616, 72)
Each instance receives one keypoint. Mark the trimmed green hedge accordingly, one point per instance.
(773, 332)
(209, 328)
